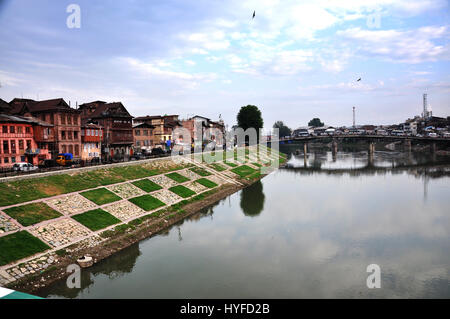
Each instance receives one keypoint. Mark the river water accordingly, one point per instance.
(306, 231)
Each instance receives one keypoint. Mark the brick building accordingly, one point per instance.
(143, 134)
(163, 127)
(117, 127)
(91, 142)
(66, 122)
(17, 143)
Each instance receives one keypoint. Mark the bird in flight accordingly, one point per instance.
(358, 80)
(254, 14)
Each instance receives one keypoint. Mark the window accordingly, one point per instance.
(5, 147)
(145, 132)
(28, 144)
(63, 135)
(75, 135)
(138, 132)
(6, 160)
(21, 145)
(13, 159)
(22, 158)
(101, 132)
(12, 129)
(88, 132)
(77, 150)
(19, 130)
(69, 119)
(28, 130)
(96, 132)
(13, 147)
(5, 129)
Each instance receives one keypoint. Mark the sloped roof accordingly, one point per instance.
(114, 109)
(23, 105)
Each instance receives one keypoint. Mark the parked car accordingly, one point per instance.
(158, 151)
(47, 163)
(432, 135)
(65, 159)
(24, 167)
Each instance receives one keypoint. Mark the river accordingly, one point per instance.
(306, 231)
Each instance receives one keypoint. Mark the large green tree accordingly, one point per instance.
(315, 122)
(282, 129)
(250, 116)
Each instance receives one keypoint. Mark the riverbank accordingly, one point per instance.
(103, 220)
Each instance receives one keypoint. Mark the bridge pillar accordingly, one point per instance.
(371, 148)
(408, 145)
(305, 148)
(305, 154)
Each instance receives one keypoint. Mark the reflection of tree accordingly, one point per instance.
(114, 266)
(252, 199)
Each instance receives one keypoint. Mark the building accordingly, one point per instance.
(198, 126)
(17, 143)
(163, 127)
(66, 122)
(117, 141)
(143, 133)
(91, 142)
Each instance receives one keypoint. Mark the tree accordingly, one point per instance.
(315, 122)
(250, 116)
(282, 129)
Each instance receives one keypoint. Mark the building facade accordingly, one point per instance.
(198, 126)
(65, 120)
(163, 127)
(91, 142)
(117, 141)
(143, 134)
(17, 143)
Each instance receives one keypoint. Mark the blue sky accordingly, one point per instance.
(296, 60)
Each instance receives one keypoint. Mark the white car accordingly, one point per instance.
(432, 135)
(24, 167)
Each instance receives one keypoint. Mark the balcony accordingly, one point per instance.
(31, 151)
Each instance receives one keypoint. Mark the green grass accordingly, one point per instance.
(257, 164)
(243, 170)
(206, 182)
(147, 185)
(101, 196)
(230, 164)
(217, 167)
(177, 177)
(31, 189)
(147, 202)
(200, 171)
(19, 245)
(96, 219)
(182, 191)
(32, 214)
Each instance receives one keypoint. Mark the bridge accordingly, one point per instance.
(434, 142)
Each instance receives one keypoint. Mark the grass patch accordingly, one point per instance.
(96, 219)
(182, 191)
(178, 177)
(32, 214)
(243, 170)
(19, 245)
(31, 189)
(230, 164)
(101, 196)
(200, 171)
(147, 202)
(147, 185)
(206, 182)
(217, 167)
(257, 164)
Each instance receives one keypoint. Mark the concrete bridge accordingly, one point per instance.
(435, 143)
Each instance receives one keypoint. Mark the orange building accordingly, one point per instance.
(91, 142)
(17, 143)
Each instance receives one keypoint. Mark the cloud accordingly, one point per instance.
(409, 46)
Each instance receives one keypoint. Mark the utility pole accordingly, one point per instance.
(354, 117)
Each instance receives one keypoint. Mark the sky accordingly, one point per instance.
(295, 60)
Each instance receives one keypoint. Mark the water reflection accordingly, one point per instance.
(315, 234)
(252, 200)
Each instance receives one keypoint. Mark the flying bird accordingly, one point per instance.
(358, 80)
(254, 14)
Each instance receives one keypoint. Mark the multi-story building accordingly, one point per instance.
(163, 127)
(117, 127)
(143, 133)
(66, 122)
(91, 142)
(17, 143)
(198, 125)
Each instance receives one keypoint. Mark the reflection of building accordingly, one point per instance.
(66, 122)
(17, 143)
(91, 141)
(117, 127)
